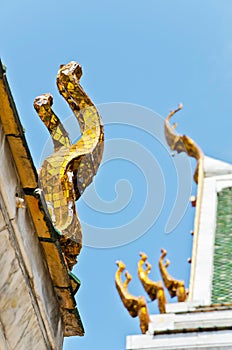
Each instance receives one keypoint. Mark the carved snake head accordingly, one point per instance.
(120, 265)
(143, 256)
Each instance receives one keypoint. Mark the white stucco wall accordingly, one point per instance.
(29, 312)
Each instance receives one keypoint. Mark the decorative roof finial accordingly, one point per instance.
(187, 145)
(155, 290)
(67, 172)
(175, 287)
(183, 143)
(136, 306)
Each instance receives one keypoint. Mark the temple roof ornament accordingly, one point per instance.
(174, 287)
(183, 143)
(67, 172)
(39, 226)
(155, 290)
(136, 306)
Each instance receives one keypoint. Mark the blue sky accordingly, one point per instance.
(154, 54)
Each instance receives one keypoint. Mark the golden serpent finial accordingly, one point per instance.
(155, 290)
(136, 306)
(183, 143)
(186, 144)
(174, 287)
(67, 172)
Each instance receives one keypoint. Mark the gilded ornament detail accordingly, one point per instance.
(136, 306)
(186, 144)
(183, 143)
(67, 172)
(155, 290)
(174, 287)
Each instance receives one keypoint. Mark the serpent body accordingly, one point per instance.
(67, 172)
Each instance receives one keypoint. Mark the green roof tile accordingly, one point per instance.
(222, 275)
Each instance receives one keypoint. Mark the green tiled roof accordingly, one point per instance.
(222, 275)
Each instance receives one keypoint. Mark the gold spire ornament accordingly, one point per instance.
(155, 290)
(183, 143)
(67, 172)
(186, 144)
(174, 287)
(136, 306)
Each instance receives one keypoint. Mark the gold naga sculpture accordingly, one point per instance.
(67, 172)
(174, 287)
(183, 143)
(155, 290)
(186, 144)
(136, 306)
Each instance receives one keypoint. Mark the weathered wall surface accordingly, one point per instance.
(29, 311)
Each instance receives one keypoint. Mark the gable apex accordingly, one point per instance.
(215, 167)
